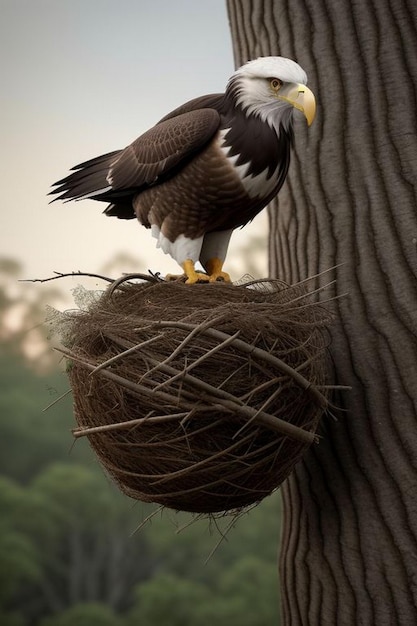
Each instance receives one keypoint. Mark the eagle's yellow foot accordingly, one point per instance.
(214, 269)
(193, 276)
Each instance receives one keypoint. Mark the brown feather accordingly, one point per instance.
(158, 151)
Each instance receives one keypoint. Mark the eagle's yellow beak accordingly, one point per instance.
(302, 98)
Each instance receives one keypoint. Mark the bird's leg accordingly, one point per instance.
(214, 269)
(186, 252)
(191, 274)
(213, 253)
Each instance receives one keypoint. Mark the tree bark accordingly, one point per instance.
(349, 545)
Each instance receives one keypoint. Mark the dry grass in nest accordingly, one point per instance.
(201, 398)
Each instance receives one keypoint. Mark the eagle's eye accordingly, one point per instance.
(275, 83)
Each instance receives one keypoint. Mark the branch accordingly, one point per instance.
(115, 282)
(64, 275)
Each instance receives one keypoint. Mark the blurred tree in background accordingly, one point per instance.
(69, 553)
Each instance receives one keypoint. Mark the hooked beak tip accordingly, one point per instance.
(302, 98)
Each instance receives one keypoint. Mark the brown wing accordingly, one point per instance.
(161, 149)
(153, 157)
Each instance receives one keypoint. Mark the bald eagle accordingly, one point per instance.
(206, 168)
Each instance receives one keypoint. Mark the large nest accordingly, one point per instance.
(200, 398)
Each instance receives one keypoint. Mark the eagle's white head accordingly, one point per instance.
(268, 85)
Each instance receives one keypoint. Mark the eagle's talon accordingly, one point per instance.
(221, 277)
(198, 278)
(192, 276)
(214, 269)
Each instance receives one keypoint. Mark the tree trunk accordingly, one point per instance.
(349, 546)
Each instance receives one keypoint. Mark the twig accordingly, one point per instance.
(262, 354)
(125, 353)
(223, 535)
(152, 278)
(194, 364)
(82, 432)
(147, 519)
(65, 275)
(61, 397)
(185, 342)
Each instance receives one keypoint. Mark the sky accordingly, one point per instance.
(81, 78)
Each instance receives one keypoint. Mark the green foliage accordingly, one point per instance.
(167, 600)
(240, 595)
(84, 615)
(249, 594)
(40, 437)
(12, 619)
(18, 563)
